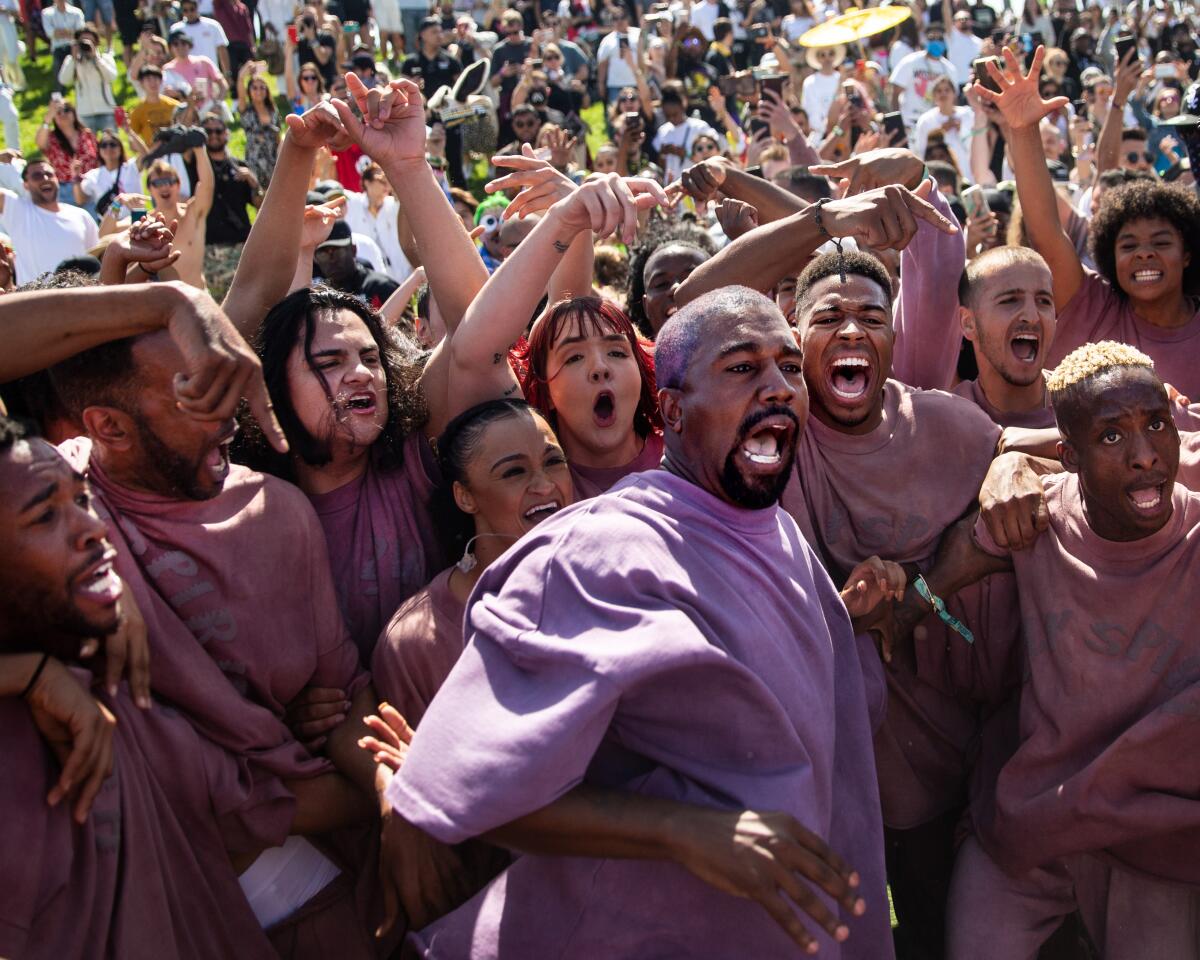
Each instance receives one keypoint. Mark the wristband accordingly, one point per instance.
(836, 241)
(36, 673)
(939, 607)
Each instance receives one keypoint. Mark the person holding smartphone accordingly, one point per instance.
(952, 121)
(613, 71)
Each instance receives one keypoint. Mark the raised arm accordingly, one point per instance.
(772, 202)
(1023, 108)
(479, 367)
(43, 327)
(205, 186)
(268, 262)
(1108, 145)
(886, 217)
(393, 135)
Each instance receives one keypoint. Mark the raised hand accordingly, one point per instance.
(736, 217)
(541, 184)
(874, 169)
(609, 204)
(1128, 77)
(704, 179)
(562, 146)
(318, 126)
(1019, 101)
(777, 113)
(221, 367)
(771, 858)
(885, 218)
(392, 128)
(319, 220)
(148, 242)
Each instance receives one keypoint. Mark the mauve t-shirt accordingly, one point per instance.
(146, 876)
(382, 544)
(593, 481)
(658, 640)
(1110, 707)
(1097, 313)
(1041, 418)
(892, 492)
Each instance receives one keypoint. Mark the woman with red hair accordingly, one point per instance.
(583, 365)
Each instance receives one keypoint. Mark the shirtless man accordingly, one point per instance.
(192, 215)
(1097, 809)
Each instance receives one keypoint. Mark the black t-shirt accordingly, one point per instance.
(439, 71)
(507, 51)
(327, 70)
(372, 286)
(722, 64)
(228, 222)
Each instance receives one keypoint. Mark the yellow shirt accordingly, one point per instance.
(147, 117)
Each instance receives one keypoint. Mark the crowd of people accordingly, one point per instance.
(742, 484)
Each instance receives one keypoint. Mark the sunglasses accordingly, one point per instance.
(524, 124)
(308, 76)
(109, 145)
(1169, 98)
(41, 175)
(213, 131)
(164, 181)
(1132, 157)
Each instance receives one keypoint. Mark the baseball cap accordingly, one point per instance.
(339, 236)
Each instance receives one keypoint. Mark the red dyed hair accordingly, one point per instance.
(596, 317)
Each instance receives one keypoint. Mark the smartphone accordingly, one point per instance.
(747, 86)
(1164, 70)
(201, 86)
(984, 79)
(757, 125)
(1123, 44)
(535, 64)
(852, 95)
(136, 215)
(633, 121)
(774, 82)
(56, 97)
(974, 201)
(350, 26)
(292, 35)
(1080, 107)
(893, 128)
(623, 42)
(120, 118)
(1036, 39)
(998, 38)
(728, 85)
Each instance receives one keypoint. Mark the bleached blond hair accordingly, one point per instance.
(1066, 384)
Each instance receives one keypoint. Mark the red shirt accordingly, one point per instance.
(60, 160)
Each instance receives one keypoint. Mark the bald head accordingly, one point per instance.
(707, 318)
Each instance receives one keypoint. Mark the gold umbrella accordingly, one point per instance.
(854, 25)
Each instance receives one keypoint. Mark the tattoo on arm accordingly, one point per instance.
(510, 391)
(496, 358)
(561, 247)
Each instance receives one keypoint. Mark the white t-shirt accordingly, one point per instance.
(43, 239)
(961, 50)
(206, 35)
(70, 19)
(704, 15)
(99, 180)
(793, 26)
(381, 228)
(817, 94)
(956, 139)
(914, 75)
(684, 136)
(619, 74)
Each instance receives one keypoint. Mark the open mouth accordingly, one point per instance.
(1025, 346)
(540, 511)
(99, 582)
(849, 378)
(1146, 499)
(1147, 276)
(604, 410)
(764, 445)
(361, 404)
(217, 459)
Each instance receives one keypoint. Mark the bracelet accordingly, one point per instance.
(36, 673)
(939, 607)
(836, 241)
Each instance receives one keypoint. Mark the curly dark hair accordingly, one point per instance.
(853, 263)
(1142, 200)
(659, 233)
(294, 320)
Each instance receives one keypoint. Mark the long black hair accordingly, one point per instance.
(456, 448)
(294, 320)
